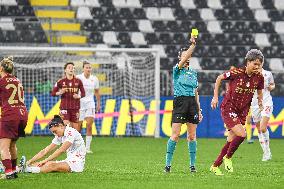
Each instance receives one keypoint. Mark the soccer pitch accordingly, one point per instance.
(139, 162)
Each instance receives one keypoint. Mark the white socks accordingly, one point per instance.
(264, 142)
(32, 169)
(88, 142)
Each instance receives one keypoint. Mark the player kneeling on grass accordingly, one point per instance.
(72, 143)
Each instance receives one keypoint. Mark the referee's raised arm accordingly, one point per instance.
(186, 55)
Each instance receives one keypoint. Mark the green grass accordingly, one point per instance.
(139, 162)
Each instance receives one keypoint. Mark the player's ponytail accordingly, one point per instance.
(7, 64)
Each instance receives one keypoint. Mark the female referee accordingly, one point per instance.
(186, 107)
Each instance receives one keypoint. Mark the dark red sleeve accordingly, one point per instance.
(260, 83)
(55, 88)
(82, 90)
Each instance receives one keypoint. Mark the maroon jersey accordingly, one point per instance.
(12, 99)
(241, 89)
(72, 87)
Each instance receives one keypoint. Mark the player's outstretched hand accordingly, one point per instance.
(200, 116)
(193, 40)
(214, 103)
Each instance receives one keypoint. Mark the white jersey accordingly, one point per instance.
(90, 84)
(267, 98)
(77, 150)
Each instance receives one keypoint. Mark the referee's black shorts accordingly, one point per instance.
(185, 110)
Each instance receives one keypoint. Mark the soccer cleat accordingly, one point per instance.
(228, 164)
(216, 171)
(10, 176)
(192, 169)
(251, 141)
(22, 165)
(266, 157)
(89, 151)
(167, 169)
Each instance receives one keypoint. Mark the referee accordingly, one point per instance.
(186, 107)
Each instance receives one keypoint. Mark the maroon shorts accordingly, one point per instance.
(232, 118)
(70, 115)
(13, 129)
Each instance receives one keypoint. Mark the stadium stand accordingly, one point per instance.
(227, 29)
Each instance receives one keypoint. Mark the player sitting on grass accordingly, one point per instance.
(72, 143)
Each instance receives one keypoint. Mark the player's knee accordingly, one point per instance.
(175, 137)
(191, 137)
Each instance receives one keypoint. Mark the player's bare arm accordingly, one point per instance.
(260, 98)
(187, 54)
(57, 152)
(42, 153)
(214, 102)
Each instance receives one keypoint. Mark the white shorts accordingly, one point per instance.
(87, 113)
(256, 114)
(76, 165)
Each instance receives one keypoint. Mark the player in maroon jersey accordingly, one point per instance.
(71, 90)
(236, 103)
(13, 118)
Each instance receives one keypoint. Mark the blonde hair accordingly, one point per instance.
(7, 64)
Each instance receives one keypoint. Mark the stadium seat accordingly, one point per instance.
(28, 11)
(261, 40)
(159, 26)
(97, 13)
(109, 37)
(12, 37)
(145, 26)
(193, 14)
(279, 27)
(274, 15)
(111, 13)
(125, 13)
(201, 26)
(103, 25)
(179, 38)
(247, 14)
(8, 2)
(206, 39)
(215, 4)
(165, 38)
(119, 3)
(200, 3)
(26, 37)
(220, 39)
(194, 63)
(205, 88)
(40, 37)
(254, 4)
(133, 3)
(106, 3)
(186, 26)
(6, 24)
(161, 50)
(261, 15)
(117, 25)
(84, 13)
(77, 3)
(14, 11)
(139, 13)
(148, 3)
(207, 14)
(89, 25)
(131, 25)
(92, 3)
(213, 51)
(173, 26)
(240, 27)
(275, 39)
(152, 13)
(23, 2)
(279, 4)
(227, 26)
(267, 4)
(180, 13)
(187, 4)
(172, 50)
(214, 27)
(96, 38)
(137, 38)
(124, 38)
(254, 27)
(247, 39)
(166, 14)
(276, 64)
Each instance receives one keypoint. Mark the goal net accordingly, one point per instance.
(129, 86)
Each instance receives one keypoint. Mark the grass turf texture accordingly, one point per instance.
(139, 162)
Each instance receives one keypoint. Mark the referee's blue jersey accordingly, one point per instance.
(185, 81)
